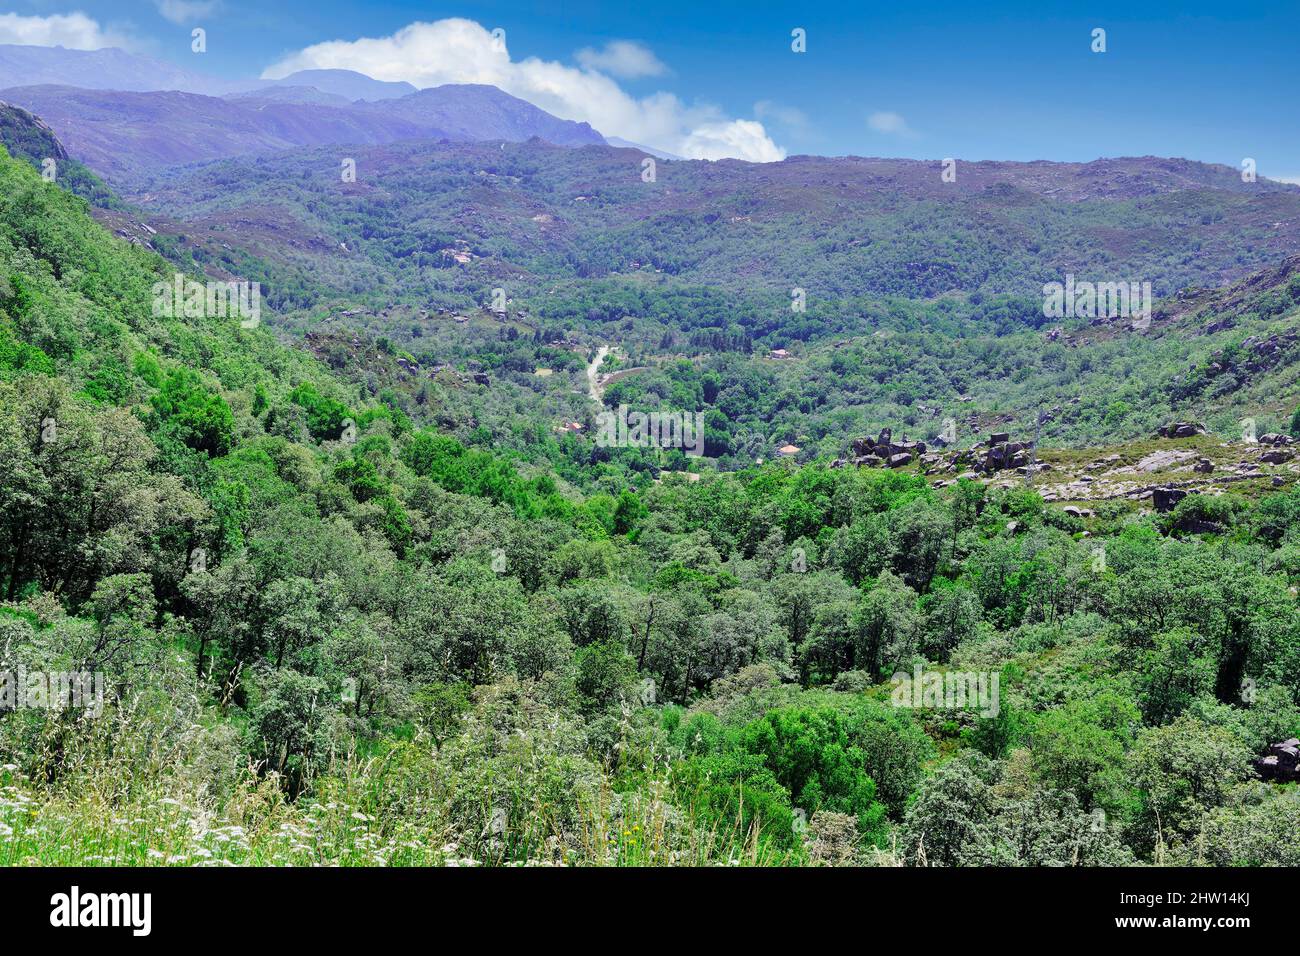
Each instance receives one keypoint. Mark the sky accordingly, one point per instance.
(997, 80)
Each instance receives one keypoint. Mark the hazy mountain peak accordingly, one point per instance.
(348, 84)
(108, 69)
(476, 111)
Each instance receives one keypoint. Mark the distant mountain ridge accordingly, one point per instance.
(474, 111)
(107, 69)
(121, 134)
(122, 113)
(348, 84)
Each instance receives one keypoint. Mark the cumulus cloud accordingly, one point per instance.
(463, 51)
(75, 31)
(622, 58)
(890, 123)
(743, 139)
(186, 11)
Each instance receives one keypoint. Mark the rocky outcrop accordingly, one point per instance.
(1165, 499)
(1181, 430)
(884, 450)
(1281, 763)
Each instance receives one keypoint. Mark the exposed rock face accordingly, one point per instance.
(885, 451)
(1281, 763)
(1164, 499)
(1277, 456)
(1203, 466)
(1181, 430)
(28, 136)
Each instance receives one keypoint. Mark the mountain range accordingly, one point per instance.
(122, 134)
(124, 114)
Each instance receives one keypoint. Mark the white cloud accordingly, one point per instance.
(186, 11)
(75, 31)
(623, 58)
(462, 51)
(744, 139)
(890, 123)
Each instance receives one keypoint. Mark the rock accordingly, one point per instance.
(1075, 512)
(899, 460)
(1181, 430)
(1277, 456)
(1282, 762)
(1203, 466)
(1165, 499)
(999, 438)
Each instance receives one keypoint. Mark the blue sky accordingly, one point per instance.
(1208, 81)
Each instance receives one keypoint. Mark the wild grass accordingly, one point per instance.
(351, 820)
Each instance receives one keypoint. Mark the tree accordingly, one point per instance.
(186, 411)
(888, 626)
(1173, 674)
(78, 497)
(1184, 769)
(948, 822)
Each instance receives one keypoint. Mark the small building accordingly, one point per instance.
(778, 354)
(786, 451)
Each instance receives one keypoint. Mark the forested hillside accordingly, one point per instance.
(347, 620)
(893, 298)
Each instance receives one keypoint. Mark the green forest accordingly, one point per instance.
(347, 621)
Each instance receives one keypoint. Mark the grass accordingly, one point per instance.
(350, 822)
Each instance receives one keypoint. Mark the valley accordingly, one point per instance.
(368, 582)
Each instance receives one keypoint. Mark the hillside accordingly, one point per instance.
(27, 137)
(923, 298)
(332, 632)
